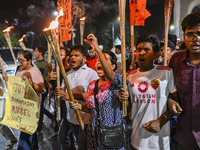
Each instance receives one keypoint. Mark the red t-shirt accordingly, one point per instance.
(90, 62)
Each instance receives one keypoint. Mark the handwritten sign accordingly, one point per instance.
(22, 106)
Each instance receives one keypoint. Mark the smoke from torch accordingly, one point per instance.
(21, 43)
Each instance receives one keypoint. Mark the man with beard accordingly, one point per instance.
(186, 67)
(79, 78)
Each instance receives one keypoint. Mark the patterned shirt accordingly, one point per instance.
(110, 109)
(187, 78)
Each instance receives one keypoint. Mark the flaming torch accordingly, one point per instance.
(21, 43)
(48, 32)
(122, 4)
(7, 36)
(82, 26)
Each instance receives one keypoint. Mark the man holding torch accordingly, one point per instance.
(79, 77)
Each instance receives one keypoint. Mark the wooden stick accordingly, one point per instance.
(58, 97)
(58, 79)
(132, 48)
(7, 37)
(49, 70)
(51, 41)
(21, 43)
(122, 6)
(82, 26)
(168, 10)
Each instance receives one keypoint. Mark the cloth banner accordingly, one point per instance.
(138, 12)
(65, 22)
(22, 106)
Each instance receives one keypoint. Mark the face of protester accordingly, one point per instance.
(36, 53)
(145, 56)
(192, 39)
(169, 53)
(99, 67)
(23, 62)
(77, 59)
(62, 54)
(92, 53)
(117, 51)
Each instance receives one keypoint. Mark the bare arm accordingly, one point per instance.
(156, 125)
(107, 69)
(173, 104)
(37, 87)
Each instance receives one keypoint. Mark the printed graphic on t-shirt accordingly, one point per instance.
(143, 87)
(155, 83)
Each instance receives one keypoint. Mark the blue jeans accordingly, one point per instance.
(27, 142)
(65, 136)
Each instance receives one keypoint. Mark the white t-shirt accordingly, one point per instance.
(149, 91)
(81, 77)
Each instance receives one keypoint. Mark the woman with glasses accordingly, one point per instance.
(30, 73)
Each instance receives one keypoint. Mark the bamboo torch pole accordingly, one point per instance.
(122, 6)
(21, 43)
(132, 48)
(82, 26)
(50, 69)
(168, 10)
(7, 37)
(51, 41)
(58, 76)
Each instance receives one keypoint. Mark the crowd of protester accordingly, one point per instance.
(163, 101)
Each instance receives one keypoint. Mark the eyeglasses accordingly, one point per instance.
(189, 36)
(21, 60)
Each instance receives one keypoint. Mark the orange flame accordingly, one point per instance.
(82, 19)
(54, 24)
(8, 29)
(21, 40)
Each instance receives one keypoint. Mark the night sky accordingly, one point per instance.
(32, 16)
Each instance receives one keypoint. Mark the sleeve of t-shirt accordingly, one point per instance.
(171, 84)
(93, 75)
(38, 78)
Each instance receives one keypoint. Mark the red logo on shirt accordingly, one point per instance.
(143, 87)
(155, 83)
(132, 85)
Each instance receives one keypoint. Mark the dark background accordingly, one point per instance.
(32, 16)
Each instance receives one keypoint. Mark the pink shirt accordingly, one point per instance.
(35, 75)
